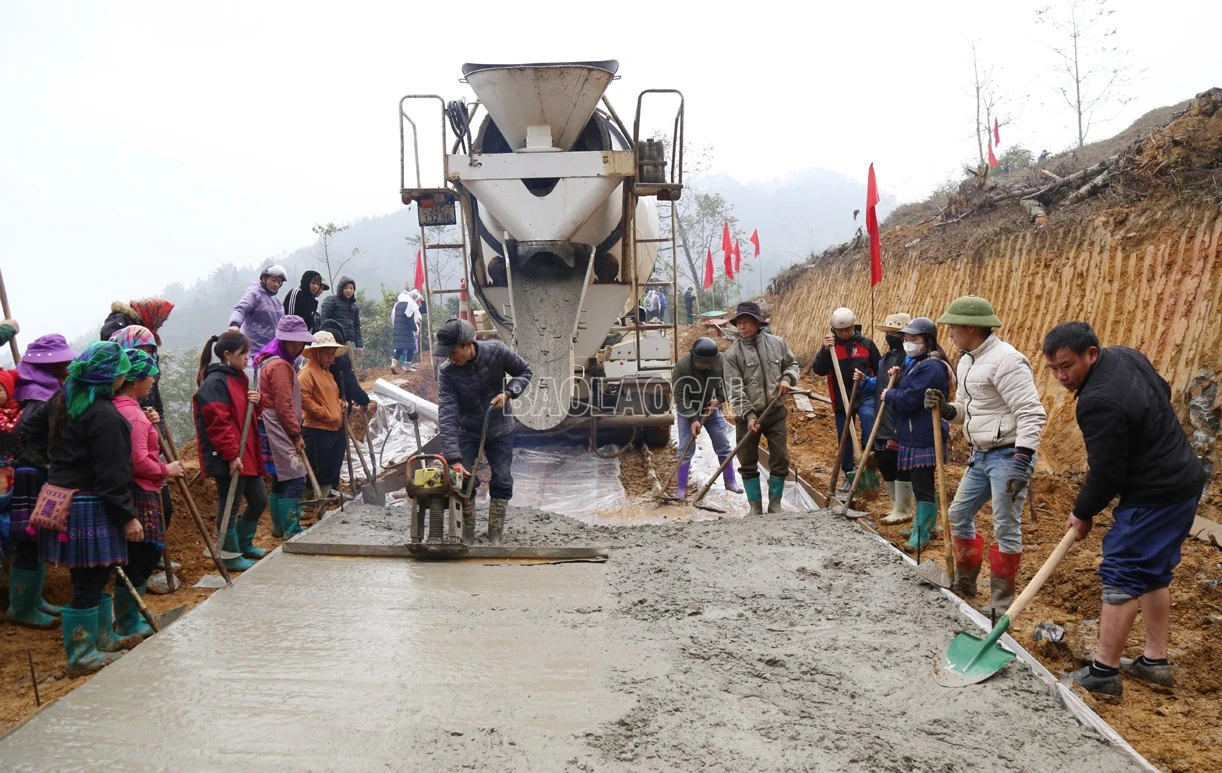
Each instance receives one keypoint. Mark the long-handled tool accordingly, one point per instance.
(373, 458)
(154, 623)
(185, 490)
(376, 497)
(234, 479)
(847, 401)
(687, 446)
(12, 342)
(930, 571)
(970, 659)
(318, 495)
(844, 439)
(171, 584)
(773, 403)
(846, 510)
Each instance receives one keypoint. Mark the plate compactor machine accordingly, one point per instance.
(443, 512)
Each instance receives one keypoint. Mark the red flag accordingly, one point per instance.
(419, 285)
(738, 257)
(992, 158)
(755, 239)
(727, 250)
(876, 245)
(996, 133)
(708, 269)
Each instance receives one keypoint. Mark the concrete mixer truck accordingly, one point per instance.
(558, 203)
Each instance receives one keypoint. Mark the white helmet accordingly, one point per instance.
(843, 317)
(276, 270)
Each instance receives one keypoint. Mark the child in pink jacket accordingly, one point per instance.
(149, 475)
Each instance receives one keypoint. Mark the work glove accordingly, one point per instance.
(934, 397)
(1020, 473)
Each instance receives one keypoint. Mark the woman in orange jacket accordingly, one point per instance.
(322, 410)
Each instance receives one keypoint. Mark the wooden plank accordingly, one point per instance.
(475, 552)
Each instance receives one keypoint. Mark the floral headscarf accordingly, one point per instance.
(92, 374)
(133, 336)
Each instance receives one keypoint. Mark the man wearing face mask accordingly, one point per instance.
(851, 351)
(1003, 419)
(886, 446)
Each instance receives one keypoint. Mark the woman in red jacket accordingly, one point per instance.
(149, 475)
(219, 409)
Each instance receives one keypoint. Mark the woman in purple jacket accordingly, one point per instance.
(258, 311)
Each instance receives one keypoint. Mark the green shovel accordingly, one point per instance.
(970, 659)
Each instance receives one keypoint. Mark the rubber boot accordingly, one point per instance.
(80, 642)
(902, 502)
(681, 478)
(128, 620)
(273, 506)
(107, 639)
(290, 516)
(969, 554)
(755, 499)
(728, 478)
(230, 545)
(246, 539)
(24, 593)
(776, 490)
(1004, 569)
(44, 606)
(922, 525)
(496, 520)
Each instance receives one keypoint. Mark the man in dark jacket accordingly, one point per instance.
(472, 390)
(697, 384)
(342, 308)
(689, 300)
(1137, 449)
(853, 352)
(303, 301)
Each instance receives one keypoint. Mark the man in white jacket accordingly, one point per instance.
(1002, 416)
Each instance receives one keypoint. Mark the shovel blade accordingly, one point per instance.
(371, 497)
(171, 616)
(933, 574)
(970, 659)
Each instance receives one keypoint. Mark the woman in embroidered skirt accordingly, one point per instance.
(282, 424)
(914, 423)
(39, 375)
(90, 454)
(219, 408)
(149, 475)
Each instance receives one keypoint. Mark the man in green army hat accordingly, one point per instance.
(1002, 417)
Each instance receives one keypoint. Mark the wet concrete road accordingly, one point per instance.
(346, 664)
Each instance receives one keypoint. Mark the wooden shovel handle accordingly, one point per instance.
(943, 510)
(1041, 576)
(776, 399)
(233, 479)
(310, 472)
(844, 439)
(865, 454)
(149, 617)
(185, 490)
(12, 342)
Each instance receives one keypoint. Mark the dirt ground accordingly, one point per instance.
(185, 546)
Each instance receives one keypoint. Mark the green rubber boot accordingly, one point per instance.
(776, 490)
(230, 545)
(24, 593)
(290, 516)
(246, 539)
(755, 498)
(922, 524)
(273, 506)
(128, 620)
(107, 639)
(44, 606)
(80, 642)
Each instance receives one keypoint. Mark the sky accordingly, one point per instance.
(145, 143)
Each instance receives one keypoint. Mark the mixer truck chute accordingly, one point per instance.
(561, 235)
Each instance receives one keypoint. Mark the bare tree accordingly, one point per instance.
(326, 233)
(987, 110)
(1094, 71)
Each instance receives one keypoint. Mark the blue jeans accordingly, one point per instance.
(499, 452)
(865, 417)
(985, 478)
(719, 432)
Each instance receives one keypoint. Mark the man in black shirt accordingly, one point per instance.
(1137, 449)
